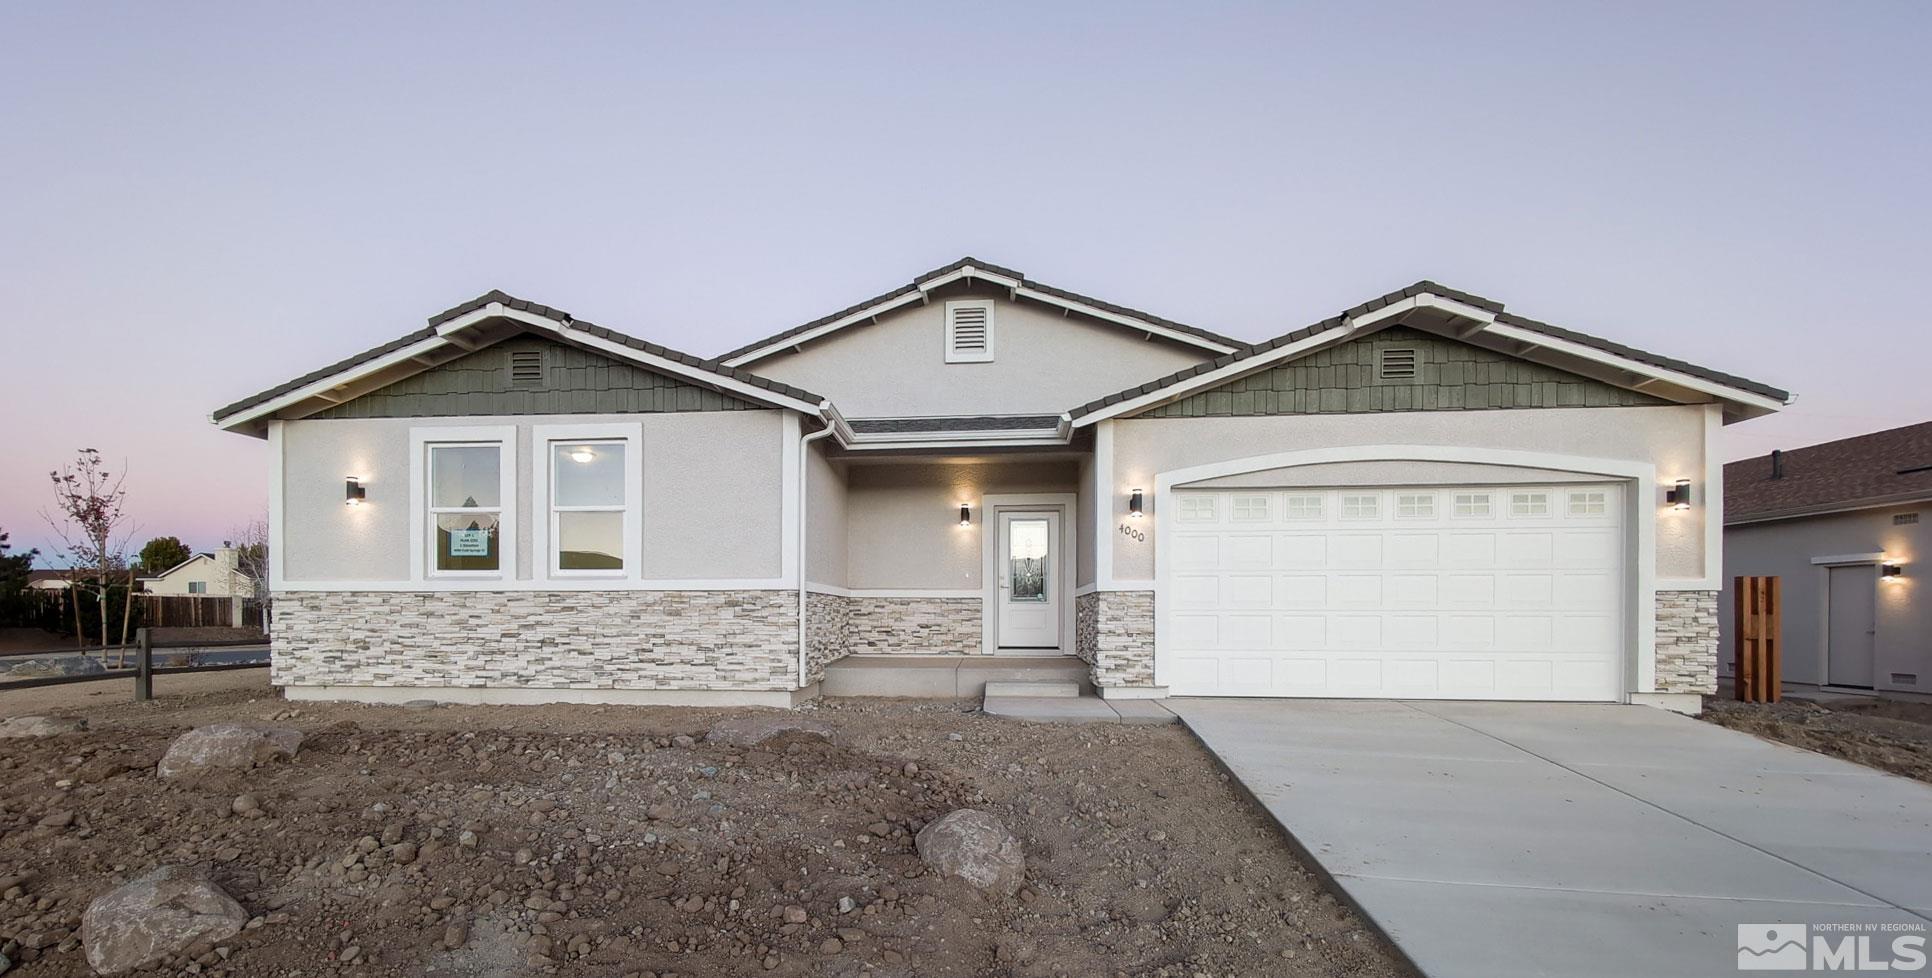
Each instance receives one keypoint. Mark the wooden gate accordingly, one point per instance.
(1760, 639)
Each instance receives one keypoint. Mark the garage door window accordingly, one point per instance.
(1415, 506)
(1361, 507)
(1472, 505)
(1251, 509)
(1304, 507)
(1197, 509)
(1529, 504)
(1587, 504)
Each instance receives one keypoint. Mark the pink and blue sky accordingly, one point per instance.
(204, 200)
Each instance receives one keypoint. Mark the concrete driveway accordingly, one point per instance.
(1501, 839)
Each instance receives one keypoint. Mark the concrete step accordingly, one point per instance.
(1078, 709)
(1039, 689)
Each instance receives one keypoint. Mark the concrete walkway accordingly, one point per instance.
(1492, 840)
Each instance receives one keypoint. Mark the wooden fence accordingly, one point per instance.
(145, 611)
(1760, 639)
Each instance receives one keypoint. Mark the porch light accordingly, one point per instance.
(356, 491)
(1891, 572)
(965, 515)
(1679, 495)
(1134, 504)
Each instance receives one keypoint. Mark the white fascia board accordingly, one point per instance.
(780, 346)
(1595, 355)
(1461, 310)
(1876, 557)
(896, 442)
(1128, 321)
(1220, 376)
(315, 389)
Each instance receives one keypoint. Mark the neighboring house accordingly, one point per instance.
(48, 580)
(1422, 496)
(215, 574)
(1839, 525)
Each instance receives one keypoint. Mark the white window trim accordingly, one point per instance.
(542, 519)
(952, 354)
(421, 570)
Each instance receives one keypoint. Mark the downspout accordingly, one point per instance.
(804, 480)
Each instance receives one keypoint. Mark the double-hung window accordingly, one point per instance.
(465, 488)
(589, 488)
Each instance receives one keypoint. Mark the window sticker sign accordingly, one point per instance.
(469, 543)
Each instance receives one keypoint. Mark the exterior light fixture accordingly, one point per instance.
(1134, 504)
(583, 455)
(965, 515)
(1679, 495)
(356, 491)
(1891, 572)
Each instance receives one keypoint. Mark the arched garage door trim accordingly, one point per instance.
(1641, 514)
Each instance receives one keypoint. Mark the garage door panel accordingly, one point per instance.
(1452, 592)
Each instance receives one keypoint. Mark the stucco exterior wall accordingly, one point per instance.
(1784, 549)
(825, 519)
(712, 495)
(1671, 438)
(1043, 362)
(902, 518)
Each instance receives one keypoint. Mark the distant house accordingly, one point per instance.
(215, 574)
(1841, 525)
(47, 580)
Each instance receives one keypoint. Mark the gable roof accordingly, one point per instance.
(1016, 282)
(479, 322)
(204, 555)
(1472, 318)
(1881, 468)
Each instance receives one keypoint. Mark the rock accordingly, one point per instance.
(58, 820)
(758, 729)
(53, 667)
(244, 804)
(163, 913)
(228, 745)
(455, 936)
(4, 964)
(39, 726)
(973, 846)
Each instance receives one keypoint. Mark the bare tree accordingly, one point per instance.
(251, 560)
(91, 520)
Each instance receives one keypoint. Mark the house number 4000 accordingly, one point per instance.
(1129, 532)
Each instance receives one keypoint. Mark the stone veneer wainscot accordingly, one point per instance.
(1114, 633)
(914, 626)
(661, 640)
(1687, 642)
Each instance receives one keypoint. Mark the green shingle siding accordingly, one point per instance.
(1450, 376)
(576, 381)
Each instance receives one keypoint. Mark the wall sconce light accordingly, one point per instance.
(965, 515)
(1679, 495)
(1891, 572)
(357, 491)
(1134, 504)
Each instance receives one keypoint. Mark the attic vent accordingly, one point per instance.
(1904, 519)
(969, 331)
(526, 368)
(1398, 364)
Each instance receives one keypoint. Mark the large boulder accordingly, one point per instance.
(165, 912)
(54, 667)
(39, 726)
(973, 846)
(228, 746)
(751, 731)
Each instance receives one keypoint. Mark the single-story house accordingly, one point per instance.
(1839, 525)
(42, 579)
(1421, 496)
(215, 574)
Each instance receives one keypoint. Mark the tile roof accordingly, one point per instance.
(920, 280)
(1892, 465)
(1431, 288)
(522, 305)
(1007, 422)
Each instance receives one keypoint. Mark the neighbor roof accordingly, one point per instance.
(1490, 309)
(1893, 466)
(979, 269)
(510, 302)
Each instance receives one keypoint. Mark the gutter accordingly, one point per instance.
(831, 417)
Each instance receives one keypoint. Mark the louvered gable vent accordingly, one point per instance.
(526, 369)
(969, 331)
(1398, 364)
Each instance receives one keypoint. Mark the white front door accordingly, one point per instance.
(1027, 565)
(1431, 592)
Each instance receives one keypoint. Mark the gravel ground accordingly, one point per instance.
(500, 841)
(1890, 735)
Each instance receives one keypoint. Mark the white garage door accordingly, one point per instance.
(1453, 592)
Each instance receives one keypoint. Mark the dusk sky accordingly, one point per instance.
(203, 201)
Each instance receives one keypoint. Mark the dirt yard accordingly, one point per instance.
(607, 841)
(1889, 735)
